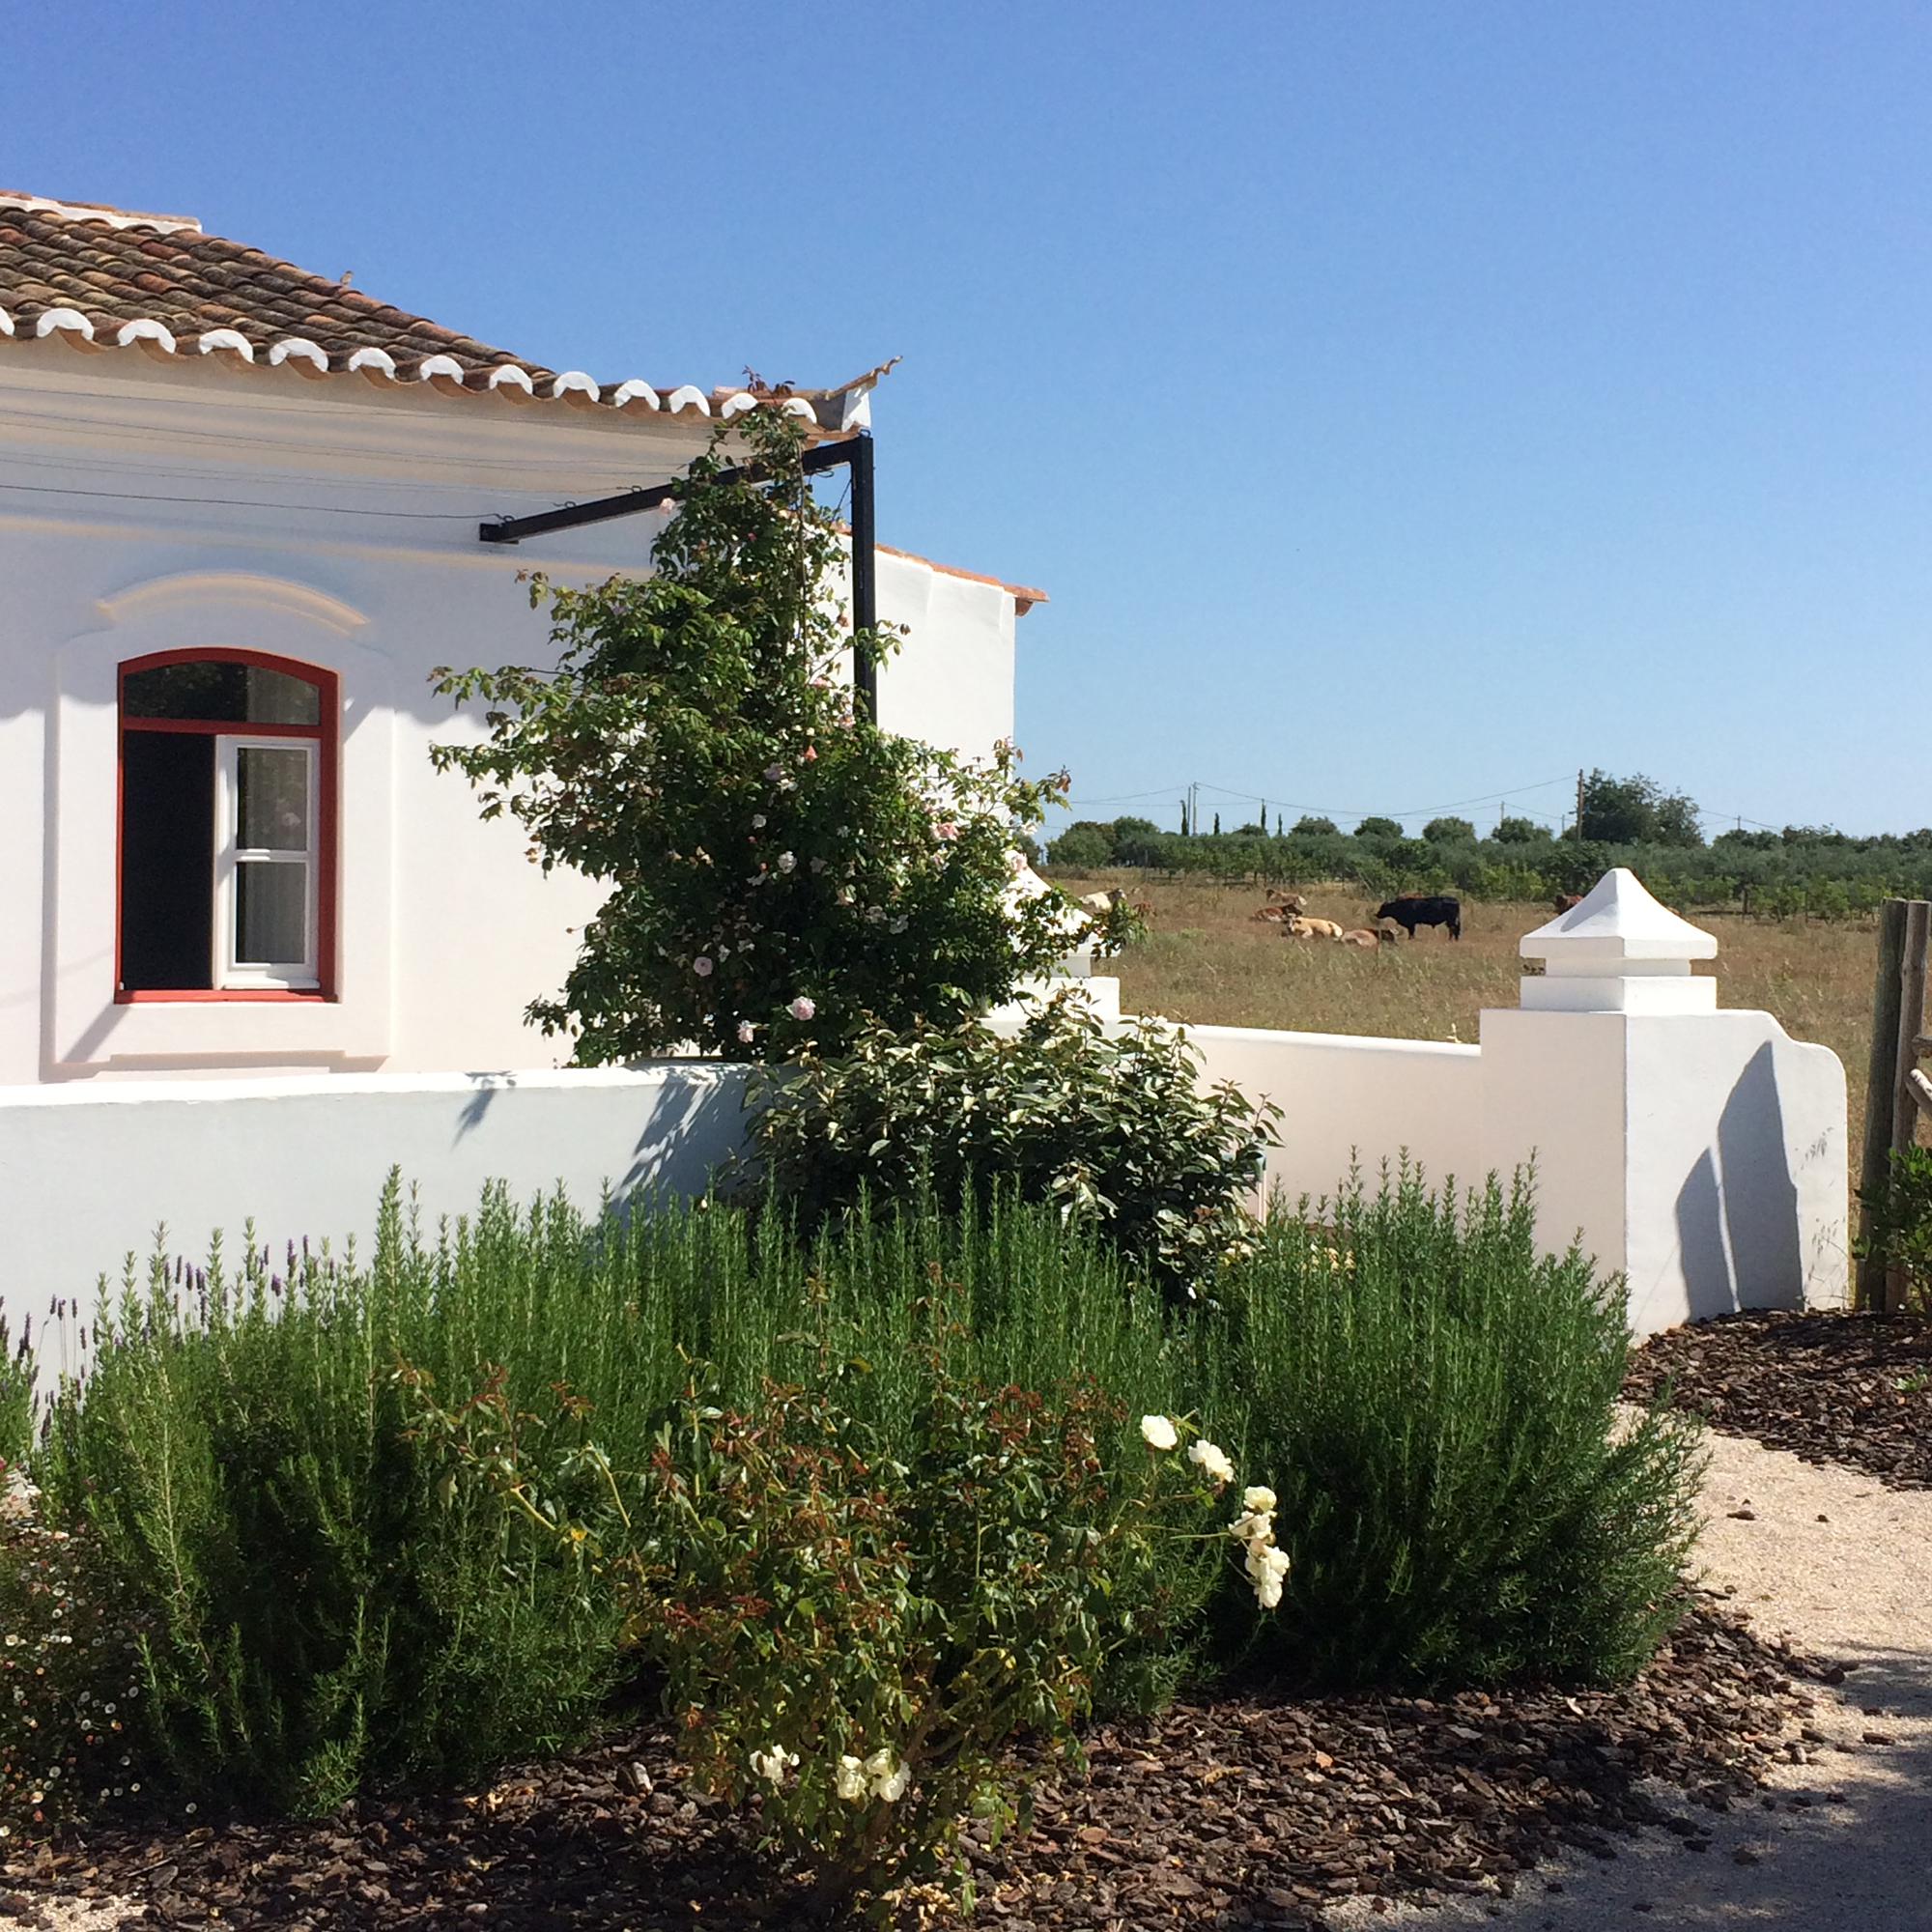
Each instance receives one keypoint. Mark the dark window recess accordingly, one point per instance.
(221, 693)
(167, 857)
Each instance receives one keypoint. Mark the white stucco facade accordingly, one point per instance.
(189, 502)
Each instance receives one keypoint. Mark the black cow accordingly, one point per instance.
(1418, 909)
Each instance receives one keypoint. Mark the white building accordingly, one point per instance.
(241, 515)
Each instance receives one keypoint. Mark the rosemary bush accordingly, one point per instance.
(1435, 1403)
(324, 1619)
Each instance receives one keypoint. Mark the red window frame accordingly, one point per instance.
(324, 735)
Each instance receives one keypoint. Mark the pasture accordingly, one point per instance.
(1206, 960)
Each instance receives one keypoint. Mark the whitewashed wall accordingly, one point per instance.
(335, 524)
(88, 1173)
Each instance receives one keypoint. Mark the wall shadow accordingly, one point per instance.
(1738, 1226)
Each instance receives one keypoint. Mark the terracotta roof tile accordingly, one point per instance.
(115, 267)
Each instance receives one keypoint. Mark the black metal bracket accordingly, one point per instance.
(854, 451)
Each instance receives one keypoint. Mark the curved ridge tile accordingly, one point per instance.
(378, 364)
(797, 406)
(736, 406)
(151, 334)
(634, 391)
(6, 322)
(432, 366)
(688, 397)
(509, 376)
(228, 340)
(70, 320)
(575, 382)
(299, 349)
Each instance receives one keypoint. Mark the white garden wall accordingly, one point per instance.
(1700, 1153)
(87, 1174)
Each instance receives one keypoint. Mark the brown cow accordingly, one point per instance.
(1565, 901)
(1313, 929)
(1363, 937)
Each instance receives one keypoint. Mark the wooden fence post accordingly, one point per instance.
(1891, 1108)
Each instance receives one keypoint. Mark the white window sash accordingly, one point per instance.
(229, 973)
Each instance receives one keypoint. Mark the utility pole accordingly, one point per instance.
(1580, 806)
(1194, 808)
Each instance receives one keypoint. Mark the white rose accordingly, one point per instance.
(1158, 1432)
(1259, 1497)
(850, 1779)
(1213, 1461)
(1256, 1526)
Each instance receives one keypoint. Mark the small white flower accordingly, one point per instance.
(786, 862)
(850, 1779)
(1158, 1432)
(1267, 1566)
(889, 1779)
(701, 966)
(898, 925)
(1259, 1497)
(1213, 1461)
(771, 1763)
(802, 1008)
(758, 821)
(1256, 1526)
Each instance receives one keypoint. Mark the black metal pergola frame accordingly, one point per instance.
(855, 452)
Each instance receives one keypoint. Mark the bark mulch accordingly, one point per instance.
(1830, 1387)
(1241, 1811)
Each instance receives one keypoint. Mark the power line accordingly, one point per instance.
(1328, 811)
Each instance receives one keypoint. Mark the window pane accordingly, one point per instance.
(220, 694)
(275, 799)
(271, 913)
(214, 690)
(275, 698)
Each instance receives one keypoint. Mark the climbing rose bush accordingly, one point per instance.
(778, 868)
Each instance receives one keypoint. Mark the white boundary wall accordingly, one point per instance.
(87, 1174)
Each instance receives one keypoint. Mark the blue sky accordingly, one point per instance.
(1404, 404)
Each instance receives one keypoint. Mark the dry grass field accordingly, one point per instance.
(1208, 960)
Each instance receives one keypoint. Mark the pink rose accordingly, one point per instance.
(701, 966)
(747, 1032)
(945, 828)
(802, 1008)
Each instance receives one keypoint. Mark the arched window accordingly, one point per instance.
(227, 828)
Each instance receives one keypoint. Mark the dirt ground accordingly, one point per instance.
(1207, 960)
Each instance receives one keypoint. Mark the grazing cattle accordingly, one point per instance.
(1565, 901)
(1273, 915)
(1362, 936)
(1313, 929)
(1415, 909)
(1101, 902)
(1293, 901)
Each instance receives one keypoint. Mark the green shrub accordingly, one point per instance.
(322, 1623)
(1083, 847)
(1379, 828)
(1435, 1402)
(1317, 828)
(69, 1676)
(1109, 1129)
(852, 1625)
(1898, 1221)
(1518, 831)
(1449, 832)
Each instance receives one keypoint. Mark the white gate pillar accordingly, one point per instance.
(1700, 1152)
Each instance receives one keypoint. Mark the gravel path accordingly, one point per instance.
(1843, 1566)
